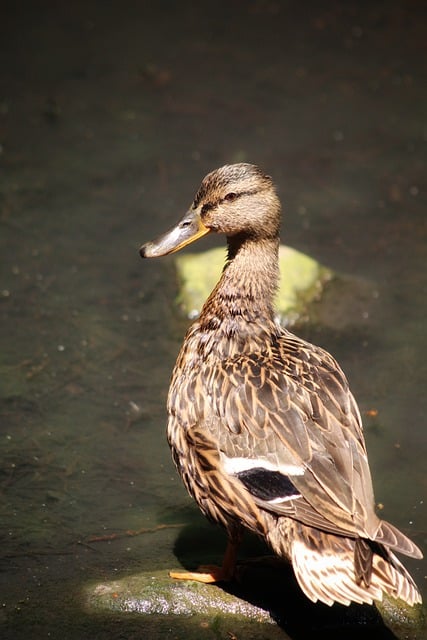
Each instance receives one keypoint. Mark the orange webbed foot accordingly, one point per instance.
(207, 574)
(211, 573)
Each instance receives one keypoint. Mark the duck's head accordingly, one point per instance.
(236, 200)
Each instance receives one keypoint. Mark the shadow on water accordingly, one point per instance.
(271, 585)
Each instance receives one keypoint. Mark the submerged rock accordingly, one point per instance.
(301, 281)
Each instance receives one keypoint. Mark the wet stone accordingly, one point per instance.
(265, 593)
(157, 594)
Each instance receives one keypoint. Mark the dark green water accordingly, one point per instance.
(110, 114)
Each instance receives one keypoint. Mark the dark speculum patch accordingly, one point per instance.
(268, 485)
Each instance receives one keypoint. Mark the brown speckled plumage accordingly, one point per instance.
(262, 425)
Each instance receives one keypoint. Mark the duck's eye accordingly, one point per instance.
(230, 196)
(207, 207)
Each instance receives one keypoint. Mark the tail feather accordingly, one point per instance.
(324, 565)
(391, 537)
(391, 571)
(363, 555)
(328, 576)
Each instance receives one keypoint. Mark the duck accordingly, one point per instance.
(262, 425)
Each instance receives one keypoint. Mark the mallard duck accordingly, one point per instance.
(263, 427)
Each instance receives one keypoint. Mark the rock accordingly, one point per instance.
(266, 594)
(301, 281)
(403, 620)
(157, 594)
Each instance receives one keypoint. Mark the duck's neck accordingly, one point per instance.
(246, 291)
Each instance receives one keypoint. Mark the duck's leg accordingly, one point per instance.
(213, 573)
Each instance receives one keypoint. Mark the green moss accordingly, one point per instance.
(157, 594)
(403, 620)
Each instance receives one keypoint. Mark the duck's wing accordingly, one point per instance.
(290, 430)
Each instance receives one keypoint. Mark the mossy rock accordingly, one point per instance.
(266, 595)
(301, 281)
(157, 594)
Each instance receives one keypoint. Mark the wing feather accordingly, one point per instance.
(292, 405)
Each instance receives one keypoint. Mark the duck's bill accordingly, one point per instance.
(188, 230)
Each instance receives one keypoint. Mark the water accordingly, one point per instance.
(109, 117)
